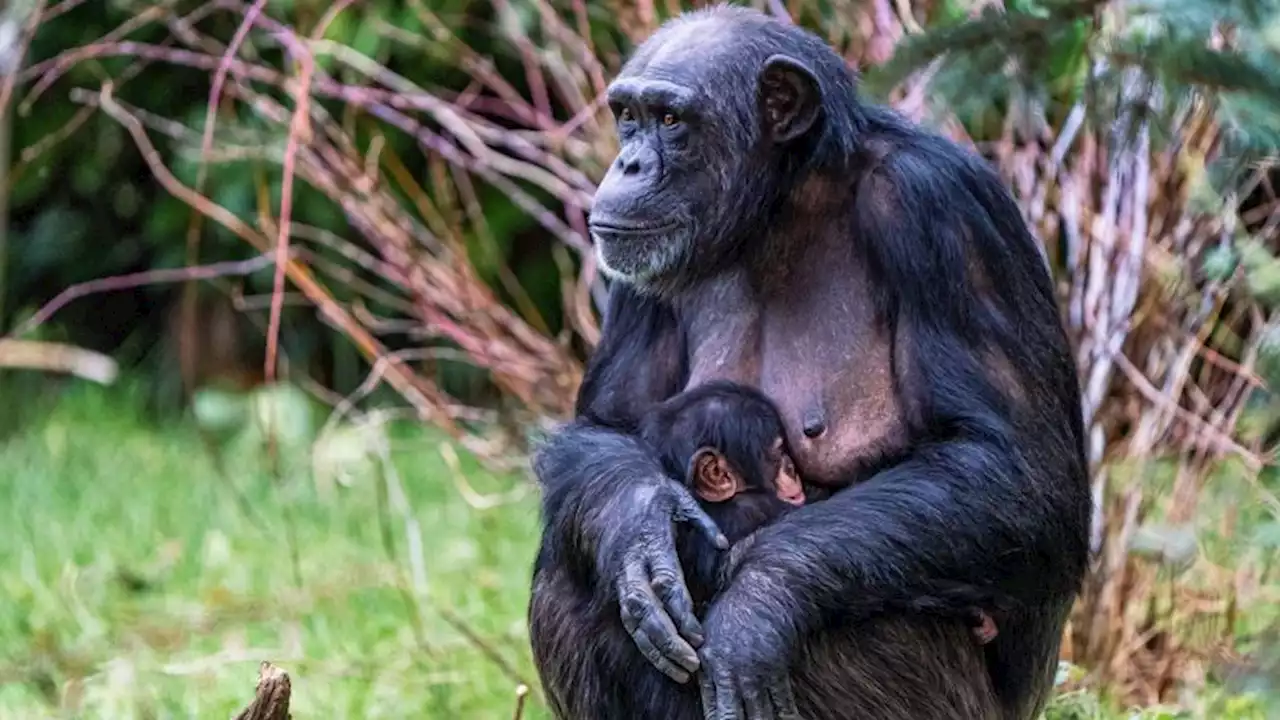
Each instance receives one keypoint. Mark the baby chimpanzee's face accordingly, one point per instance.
(716, 477)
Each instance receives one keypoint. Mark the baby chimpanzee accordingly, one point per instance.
(725, 441)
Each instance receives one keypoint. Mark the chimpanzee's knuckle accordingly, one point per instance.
(637, 607)
(635, 602)
(665, 580)
(627, 608)
(655, 658)
(676, 674)
(630, 623)
(649, 621)
(650, 652)
(686, 621)
(669, 644)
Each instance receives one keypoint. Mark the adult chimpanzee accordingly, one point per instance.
(877, 282)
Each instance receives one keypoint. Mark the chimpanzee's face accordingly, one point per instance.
(702, 119)
(663, 191)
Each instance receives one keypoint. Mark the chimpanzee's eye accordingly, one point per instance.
(625, 115)
(670, 119)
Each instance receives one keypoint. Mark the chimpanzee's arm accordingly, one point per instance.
(608, 508)
(951, 516)
(993, 496)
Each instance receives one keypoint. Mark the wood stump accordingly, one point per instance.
(271, 702)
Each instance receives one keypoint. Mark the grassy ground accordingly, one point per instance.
(138, 583)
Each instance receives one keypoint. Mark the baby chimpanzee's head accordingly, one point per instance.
(726, 441)
(720, 473)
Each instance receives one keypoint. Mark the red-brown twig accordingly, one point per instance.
(425, 398)
(62, 8)
(139, 279)
(215, 92)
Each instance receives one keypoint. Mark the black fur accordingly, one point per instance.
(987, 500)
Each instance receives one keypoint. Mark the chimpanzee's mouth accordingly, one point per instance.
(794, 499)
(613, 226)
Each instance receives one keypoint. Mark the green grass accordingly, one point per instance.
(139, 581)
(135, 584)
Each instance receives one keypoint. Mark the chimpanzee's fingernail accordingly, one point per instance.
(722, 542)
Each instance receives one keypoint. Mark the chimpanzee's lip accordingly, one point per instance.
(615, 226)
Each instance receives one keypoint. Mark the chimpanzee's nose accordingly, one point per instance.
(641, 161)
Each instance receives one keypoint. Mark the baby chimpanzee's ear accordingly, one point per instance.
(711, 476)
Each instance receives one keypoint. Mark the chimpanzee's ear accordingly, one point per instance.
(711, 476)
(789, 98)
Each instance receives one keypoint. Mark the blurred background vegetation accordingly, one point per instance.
(175, 509)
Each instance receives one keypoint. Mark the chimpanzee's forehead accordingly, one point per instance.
(650, 92)
(697, 55)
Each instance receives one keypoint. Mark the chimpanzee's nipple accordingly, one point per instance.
(814, 424)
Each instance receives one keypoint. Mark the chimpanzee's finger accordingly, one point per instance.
(756, 701)
(728, 701)
(668, 583)
(658, 631)
(647, 623)
(784, 700)
(653, 655)
(688, 510)
(707, 687)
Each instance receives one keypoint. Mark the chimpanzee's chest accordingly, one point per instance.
(827, 366)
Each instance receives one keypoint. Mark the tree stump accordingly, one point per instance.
(272, 699)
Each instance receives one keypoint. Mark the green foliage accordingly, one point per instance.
(1035, 58)
(1172, 546)
(1030, 56)
(1220, 262)
(1214, 703)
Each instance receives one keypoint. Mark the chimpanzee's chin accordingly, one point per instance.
(638, 260)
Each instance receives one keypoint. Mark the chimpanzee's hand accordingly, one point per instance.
(656, 607)
(745, 666)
